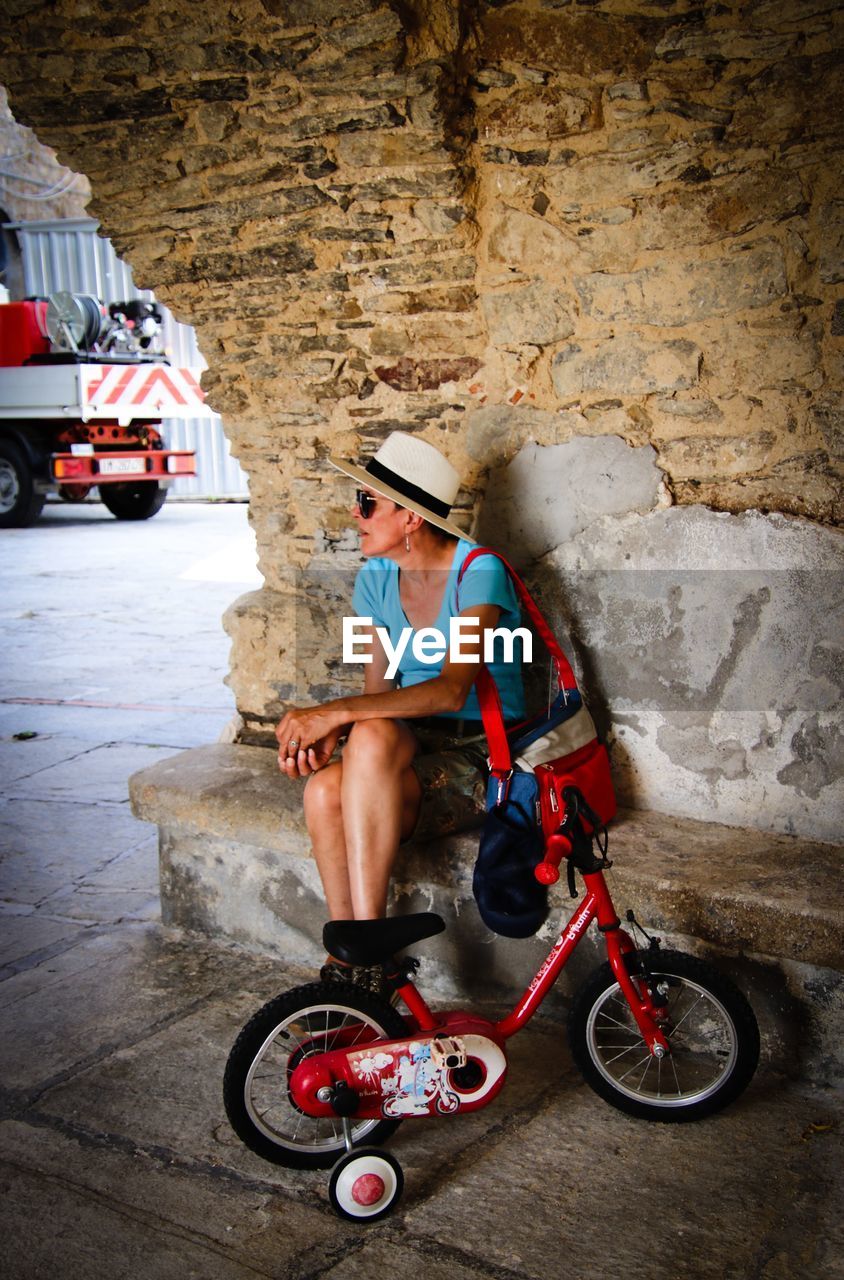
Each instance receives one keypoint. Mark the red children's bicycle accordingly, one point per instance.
(323, 1073)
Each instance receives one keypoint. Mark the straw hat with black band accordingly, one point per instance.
(414, 474)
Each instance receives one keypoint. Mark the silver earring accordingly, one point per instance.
(407, 542)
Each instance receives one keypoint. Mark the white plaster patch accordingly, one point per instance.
(714, 641)
(697, 538)
(549, 494)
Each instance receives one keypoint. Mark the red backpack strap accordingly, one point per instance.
(492, 714)
(565, 675)
(489, 699)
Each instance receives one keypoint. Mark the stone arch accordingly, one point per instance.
(492, 223)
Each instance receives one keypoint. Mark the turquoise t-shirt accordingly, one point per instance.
(486, 581)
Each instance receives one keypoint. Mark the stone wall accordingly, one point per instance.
(495, 224)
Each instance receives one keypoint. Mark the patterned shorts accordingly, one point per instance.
(452, 772)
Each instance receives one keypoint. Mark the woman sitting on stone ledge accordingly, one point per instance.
(414, 763)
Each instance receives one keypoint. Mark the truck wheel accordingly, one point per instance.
(20, 505)
(133, 501)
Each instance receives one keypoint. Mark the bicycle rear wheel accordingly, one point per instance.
(710, 1027)
(307, 1020)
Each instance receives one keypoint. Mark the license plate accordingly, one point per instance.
(122, 466)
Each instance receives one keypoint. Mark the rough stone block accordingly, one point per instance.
(604, 180)
(350, 120)
(627, 91)
(803, 485)
(537, 313)
(261, 623)
(684, 293)
(414, 301)
(121, 104)
(509, 156)
(747, 359)
(534, 113)
(426, 375)
(526, 243)
(723, 46)
(378, 151)
(790, 103)
(428, 271)
(836, 328)
(432, 182)
(625, 365)
(828, 413)
(315, 13)
(438, 218)
(367, 29)
(831, 242)
(690, 457)
(578, 42)
(682, 216)
(495, 433)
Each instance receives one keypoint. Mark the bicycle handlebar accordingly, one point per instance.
(570, 840)
(558, 847)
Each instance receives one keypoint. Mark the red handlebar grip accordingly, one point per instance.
(555, 850)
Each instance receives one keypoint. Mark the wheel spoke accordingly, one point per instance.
(649, 1061)
(624, 1052)
(700, 1028)
(676, 1025)
(631, 1069)
(614, 1022)
(259, 1102)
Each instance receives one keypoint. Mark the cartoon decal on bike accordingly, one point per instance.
(428, 1077)
(416, 1086)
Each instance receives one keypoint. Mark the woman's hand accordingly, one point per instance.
(306, 737)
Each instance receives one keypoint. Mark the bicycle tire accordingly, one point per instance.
(712, 1032)
(298, 1023)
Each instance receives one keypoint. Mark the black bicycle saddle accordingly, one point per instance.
(375, 941)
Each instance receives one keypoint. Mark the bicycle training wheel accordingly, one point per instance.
(365, 1185)
(308, 1020)
(710, 1028)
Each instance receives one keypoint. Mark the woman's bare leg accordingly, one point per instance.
(324, 820)
(380, 799)
(355, 847)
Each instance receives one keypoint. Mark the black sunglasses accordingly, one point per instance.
(366, 503)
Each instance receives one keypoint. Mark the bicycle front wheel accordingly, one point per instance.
(710, 1028)
(312, 1019)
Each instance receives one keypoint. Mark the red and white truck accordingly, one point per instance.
(83, 391)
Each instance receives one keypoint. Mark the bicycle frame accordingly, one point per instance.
(598, 906)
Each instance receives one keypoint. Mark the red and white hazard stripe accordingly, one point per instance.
(109, 390)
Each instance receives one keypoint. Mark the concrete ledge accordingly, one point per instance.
(235, 861)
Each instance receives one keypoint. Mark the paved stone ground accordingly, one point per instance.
(116, 1159)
